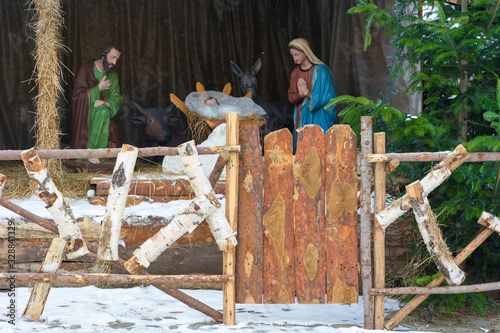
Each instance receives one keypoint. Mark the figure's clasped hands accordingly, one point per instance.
(100, 102)
(302, 87)
(104, 84)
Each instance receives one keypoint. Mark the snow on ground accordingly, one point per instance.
(138, 309)
(146, 309)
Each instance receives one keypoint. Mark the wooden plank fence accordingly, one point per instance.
(305, 214)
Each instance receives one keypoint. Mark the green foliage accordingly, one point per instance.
(453, 58)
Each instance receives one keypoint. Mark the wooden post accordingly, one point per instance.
(117, 199)
(379, 232)
(249, 251)
(229, 257)
(485, 219)
(431, 234)
(433, 179)
(365, 218)
(40, 291)
(57, 206)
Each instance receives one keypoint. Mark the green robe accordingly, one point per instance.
(98, 121)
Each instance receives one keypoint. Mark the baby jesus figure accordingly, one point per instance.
(215, 104)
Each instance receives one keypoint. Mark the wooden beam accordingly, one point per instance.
(471, 288)
(94, 278)
(68, 154)
(430, 157)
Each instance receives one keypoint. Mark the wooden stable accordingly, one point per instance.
(296, 218)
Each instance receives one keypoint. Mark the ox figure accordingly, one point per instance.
(279, 113)
(162, 127)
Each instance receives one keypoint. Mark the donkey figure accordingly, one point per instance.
(279, 113)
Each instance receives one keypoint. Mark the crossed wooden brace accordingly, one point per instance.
(205, 206)
(416, 198)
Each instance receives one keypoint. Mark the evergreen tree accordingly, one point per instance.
(453, 54)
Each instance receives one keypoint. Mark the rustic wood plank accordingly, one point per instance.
(341, 233)
(309, 166)
(278, 230)
(40, 291)
(249, 251)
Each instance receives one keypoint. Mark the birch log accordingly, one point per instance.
(432, 235)
(485, 219)
(184, 222)
(40, 291)
(57, 206)
(490, 221)
(117, 199)
(3, 179)
(217, 221)
(434, 178)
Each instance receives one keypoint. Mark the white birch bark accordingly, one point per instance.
(40, 291)
(491, 221)
(3, 179)
(183, 223)
(434, 178)
(117, 199)
(57, 206)
(219, 225)
(432, 236)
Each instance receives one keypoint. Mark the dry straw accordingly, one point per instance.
(47, 23)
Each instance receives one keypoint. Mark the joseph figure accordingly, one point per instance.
(95, 102)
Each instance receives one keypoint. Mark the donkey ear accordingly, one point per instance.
(236, 69)
(141, 110)
(256, 67)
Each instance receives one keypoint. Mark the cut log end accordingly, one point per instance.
(231, 242)
(133, 266)
(76, 248)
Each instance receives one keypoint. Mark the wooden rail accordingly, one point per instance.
(67, 154)
(430, 157)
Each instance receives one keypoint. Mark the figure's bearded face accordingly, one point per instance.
(109, 60)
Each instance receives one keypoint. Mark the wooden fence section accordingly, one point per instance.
(308, 224)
